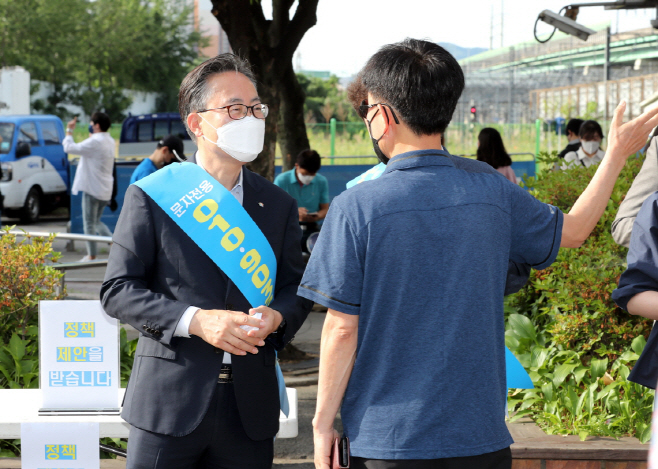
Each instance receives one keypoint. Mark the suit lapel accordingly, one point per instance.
(255, 207)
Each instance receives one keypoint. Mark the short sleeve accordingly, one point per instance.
(324, 193)
(278, 181)
(536, 230)
(569, 159)
(334, 274)
(642, 271)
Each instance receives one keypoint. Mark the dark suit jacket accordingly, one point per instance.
(155, 272)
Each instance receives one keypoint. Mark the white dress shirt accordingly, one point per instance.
(94, 173)
(183, 326)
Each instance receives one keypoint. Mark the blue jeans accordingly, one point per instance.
(92, 209)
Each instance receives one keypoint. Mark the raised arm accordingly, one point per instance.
(624, 140)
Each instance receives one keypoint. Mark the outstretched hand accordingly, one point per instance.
(629, 138)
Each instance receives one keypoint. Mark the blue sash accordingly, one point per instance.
(213, 218)
(517, 376)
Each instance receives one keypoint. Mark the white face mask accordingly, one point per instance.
(590, 147)
(242, 139)
(305, 179)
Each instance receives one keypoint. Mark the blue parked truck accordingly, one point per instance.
(35, 169)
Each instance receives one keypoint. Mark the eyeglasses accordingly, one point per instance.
(240, 111)
(365, 107)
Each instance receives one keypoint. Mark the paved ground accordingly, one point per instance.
(293, 453)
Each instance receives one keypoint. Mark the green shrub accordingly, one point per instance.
(584, 345)
(25, 279)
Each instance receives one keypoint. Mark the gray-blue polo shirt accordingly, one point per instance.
(421, 255)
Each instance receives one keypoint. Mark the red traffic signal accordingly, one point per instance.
(473, 110)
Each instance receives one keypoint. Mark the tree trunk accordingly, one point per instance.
(292, 128)
(269, 46)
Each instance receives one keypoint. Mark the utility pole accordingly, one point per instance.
(502, 26)
(491, 29)
(606, 74)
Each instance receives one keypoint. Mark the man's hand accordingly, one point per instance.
(221, 329)
(271, 319)
(71, 124)
(309, 217)
(323, 441)
(302, 213)
(629, 138)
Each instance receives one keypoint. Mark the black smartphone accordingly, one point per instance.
(344, 452)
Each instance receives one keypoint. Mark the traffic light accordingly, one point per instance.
(473, 113)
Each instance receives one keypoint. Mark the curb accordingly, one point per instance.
(299, 381)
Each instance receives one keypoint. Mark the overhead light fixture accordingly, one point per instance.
(567, 23)
(564, 24)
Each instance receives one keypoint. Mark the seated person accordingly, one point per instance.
(309, 189)
(573, 127)
(589, 153)
(637, 292)
(169, 149)
(491, 150)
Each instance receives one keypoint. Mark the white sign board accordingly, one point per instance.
(79, 356)
(59, 445)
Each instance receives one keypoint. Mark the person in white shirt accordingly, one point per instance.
(94, 175)
(590, 152)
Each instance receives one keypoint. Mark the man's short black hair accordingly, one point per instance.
(102, 119)
(309, 160)
(194, 93)
(589, 130)
(573, 126)
(420, 80)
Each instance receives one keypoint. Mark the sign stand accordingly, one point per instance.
(79, 359)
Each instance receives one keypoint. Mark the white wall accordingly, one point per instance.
(14, 91)
(143, 103)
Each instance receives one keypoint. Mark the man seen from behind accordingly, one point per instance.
(412, 267)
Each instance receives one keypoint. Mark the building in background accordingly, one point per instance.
(520, 83)
(207, 24)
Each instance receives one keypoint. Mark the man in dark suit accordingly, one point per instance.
(203, 391)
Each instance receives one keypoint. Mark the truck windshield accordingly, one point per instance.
(6, 136)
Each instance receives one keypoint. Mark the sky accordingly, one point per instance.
(348, 32)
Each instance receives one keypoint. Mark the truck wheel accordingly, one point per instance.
(30, 211)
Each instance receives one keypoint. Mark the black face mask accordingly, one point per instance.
(375, 143)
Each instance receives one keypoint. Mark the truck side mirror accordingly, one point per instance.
(23, 149)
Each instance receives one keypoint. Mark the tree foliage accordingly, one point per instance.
(91, 50)
(325, 99)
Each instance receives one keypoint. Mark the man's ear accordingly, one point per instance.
(194, 123)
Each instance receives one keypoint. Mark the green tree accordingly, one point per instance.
(325, 99)
(90, 50)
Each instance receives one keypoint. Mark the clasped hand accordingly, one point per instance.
(221, 328)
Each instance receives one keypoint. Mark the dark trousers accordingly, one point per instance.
(497, 460)
(219, 442)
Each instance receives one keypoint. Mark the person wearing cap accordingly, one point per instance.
(169, 149)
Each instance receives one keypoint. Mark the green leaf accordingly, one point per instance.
(561, 373)
(538, 357)
(16, 347)
(6, 360)
(598, 368)
(522, 326)
(579, 373)
(547, 389)
(583, 434)
(638, 344)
